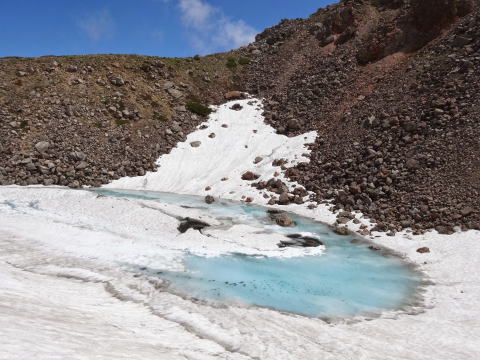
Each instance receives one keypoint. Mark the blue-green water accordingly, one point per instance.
(348, 279)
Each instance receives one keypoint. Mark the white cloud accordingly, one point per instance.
(98, 25)
(212, 30)
(197, 14)
(236, 33)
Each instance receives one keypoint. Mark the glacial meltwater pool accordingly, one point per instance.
(348, 279)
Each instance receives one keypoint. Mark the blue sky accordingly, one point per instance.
(148, 27)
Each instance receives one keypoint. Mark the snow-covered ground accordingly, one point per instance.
(62, 295)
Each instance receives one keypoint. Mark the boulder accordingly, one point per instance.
(298, 240)
(285, 221)
(209, 199)
(411, 164)
(257, 160)
(189, 223)
(42, 146)
(117, 80)
(250, 176)
(341, 230)
(284, 199)
(174, 93)
(467, 211)
(233, 95)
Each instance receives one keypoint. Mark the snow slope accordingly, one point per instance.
(61, 295)
(240, 137)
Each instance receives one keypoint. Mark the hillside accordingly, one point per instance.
(389, 85)
(85, 120)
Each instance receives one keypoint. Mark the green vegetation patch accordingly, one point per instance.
(159, 117)
(198, 109)
(121, 122)
(244, 61)
(231, 62)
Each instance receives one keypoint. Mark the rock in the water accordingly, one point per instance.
(298, 240)
(273, 212)
(341, 230)
(284, 220)
(209, 199)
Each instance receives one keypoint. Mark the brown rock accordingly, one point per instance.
(283, 199)
(423, 250)
(232, 95)
(285, 221)
(250, 176)
(209, 199)
(341, 230)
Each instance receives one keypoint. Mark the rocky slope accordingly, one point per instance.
(390, 86)
(85, 120)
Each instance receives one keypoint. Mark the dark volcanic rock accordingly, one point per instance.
(250, 176)
(189, 223)
(236, 107)
(298, 240)
(209, 199)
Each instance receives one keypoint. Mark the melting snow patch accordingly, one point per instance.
(242, 142)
